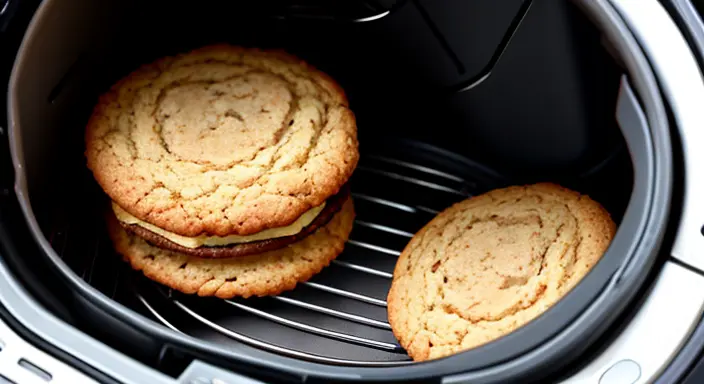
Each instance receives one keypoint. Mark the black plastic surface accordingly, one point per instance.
(696, 376)
(7, 11)
(512, 121)
(57, 353)
(10, 39)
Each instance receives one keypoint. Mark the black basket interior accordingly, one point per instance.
(545, 113)
(337, 317)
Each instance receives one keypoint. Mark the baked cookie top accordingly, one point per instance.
(222, 141)
(490, 264)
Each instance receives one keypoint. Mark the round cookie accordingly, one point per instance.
(490, 264)
(332, 207)
(222, 141)
(264, 274)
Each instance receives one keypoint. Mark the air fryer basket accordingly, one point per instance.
(446, 109)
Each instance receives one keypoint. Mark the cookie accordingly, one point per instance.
(222, 141)
(333, 205)
(268, 273)
(490, 264)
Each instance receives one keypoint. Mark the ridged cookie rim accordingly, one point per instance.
(603, 224)
(195, 226)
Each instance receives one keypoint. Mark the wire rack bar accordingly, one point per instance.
(383, 228)
(347, 294)
(395, 205)
(373, 247)
(413, 180)
(278, 349)
(388, 203)
(363, 269)
(335, 313)
(418, 167)
(316, 330)
(155, 313)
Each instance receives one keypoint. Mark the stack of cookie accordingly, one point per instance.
(227, 169)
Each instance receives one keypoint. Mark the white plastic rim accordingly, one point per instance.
(674, 307)
(681, 81)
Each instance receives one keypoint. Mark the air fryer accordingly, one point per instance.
(452, 98)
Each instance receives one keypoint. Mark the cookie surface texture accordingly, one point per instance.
(490, 264)
(222, 141)
(333, 206)
(264, 274)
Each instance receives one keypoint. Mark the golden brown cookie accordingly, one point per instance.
(222, 141)
(490, 264)
(268, 273)
(332, 207)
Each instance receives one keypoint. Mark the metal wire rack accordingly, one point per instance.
(339, 316)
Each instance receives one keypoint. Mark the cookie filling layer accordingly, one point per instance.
(215, 241)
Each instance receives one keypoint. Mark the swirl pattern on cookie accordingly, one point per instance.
(490, 264)
(222, 141)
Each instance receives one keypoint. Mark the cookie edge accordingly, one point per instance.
(345, 219)
(600, 222)
(329, 186)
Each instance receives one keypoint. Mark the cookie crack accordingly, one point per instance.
(511, 311)
(300, 83)
(313, 143)
(577, 245)
(558, 234)
(448, 308)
